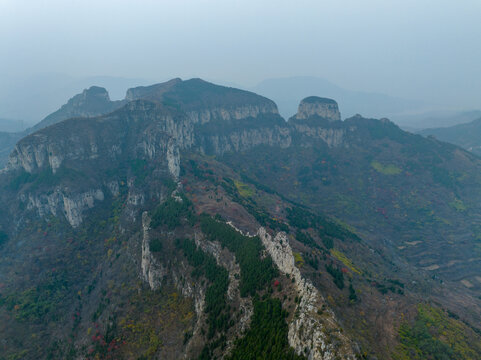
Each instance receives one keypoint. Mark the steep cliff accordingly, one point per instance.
(205, 102)
(309, 329)
(93, 101)
(317, 106)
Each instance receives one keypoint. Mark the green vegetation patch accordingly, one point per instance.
(304, 219)
(256, 272)
(3, 237)
(298, 259)
(267, 336)
(337, 275)
(155, 245)
(215, 297)
(140, 169)
(436, 335)
(149, 317)
(248, 202)
(386, 169)
(345, 260)
(458, 205)
(172, 211)
(243, 189)
(35, 303)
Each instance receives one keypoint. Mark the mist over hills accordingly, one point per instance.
(287, 92)
(9, 125)
(466, 135)
(45, 93)
(435, 119)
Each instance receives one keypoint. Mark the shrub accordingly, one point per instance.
(155, 245)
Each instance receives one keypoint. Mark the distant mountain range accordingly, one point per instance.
(191, 221)
(45, 93)
(435, 119)
(10, 125)
(466, 135)
(287, 92)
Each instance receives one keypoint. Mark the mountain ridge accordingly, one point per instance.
(308, 238)
(464, 135)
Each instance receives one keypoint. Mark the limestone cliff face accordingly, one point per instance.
(316, 106)
(141, 129)
(333, 137)
(92, 144)
(94, 101)
(203, 116)
(314, 325)
(127, 133)
(204, 102)
(241, 140)
(152, 270)
(161, 121)
(63, 202)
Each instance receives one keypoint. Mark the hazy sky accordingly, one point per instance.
(424, 49)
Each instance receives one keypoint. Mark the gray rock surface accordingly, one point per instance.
(317, 106)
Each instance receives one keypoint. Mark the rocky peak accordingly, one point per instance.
(317, 106)
(90, 102)
(203, 101)
(93, 101)
(152, 92)
(92, 93)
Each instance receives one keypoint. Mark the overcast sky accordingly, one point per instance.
(421, 49)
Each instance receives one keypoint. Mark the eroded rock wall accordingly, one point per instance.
(314, 326)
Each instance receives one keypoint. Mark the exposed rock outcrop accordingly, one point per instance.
(127, 133)
(317, 106)
(248, 138)
(205, 102)
(152, 270)
(314, 325)
(228, 261)
(61, 201)
(93, 101)
(333, 137)
(162, 120)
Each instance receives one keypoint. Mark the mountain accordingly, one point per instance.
(466, 135)
(435, 119)
(44, 93)
(287, 92)
(91, 102)
(195, 222)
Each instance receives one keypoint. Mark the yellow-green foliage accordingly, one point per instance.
(152, 316)
(243, 189)
(298, 259)
(346, 226)
(386, 169)
(458, 205)
(436, 335)
(345, 260)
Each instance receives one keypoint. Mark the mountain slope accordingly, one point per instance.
(466, 135)
(91, 102)
(199, 224)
